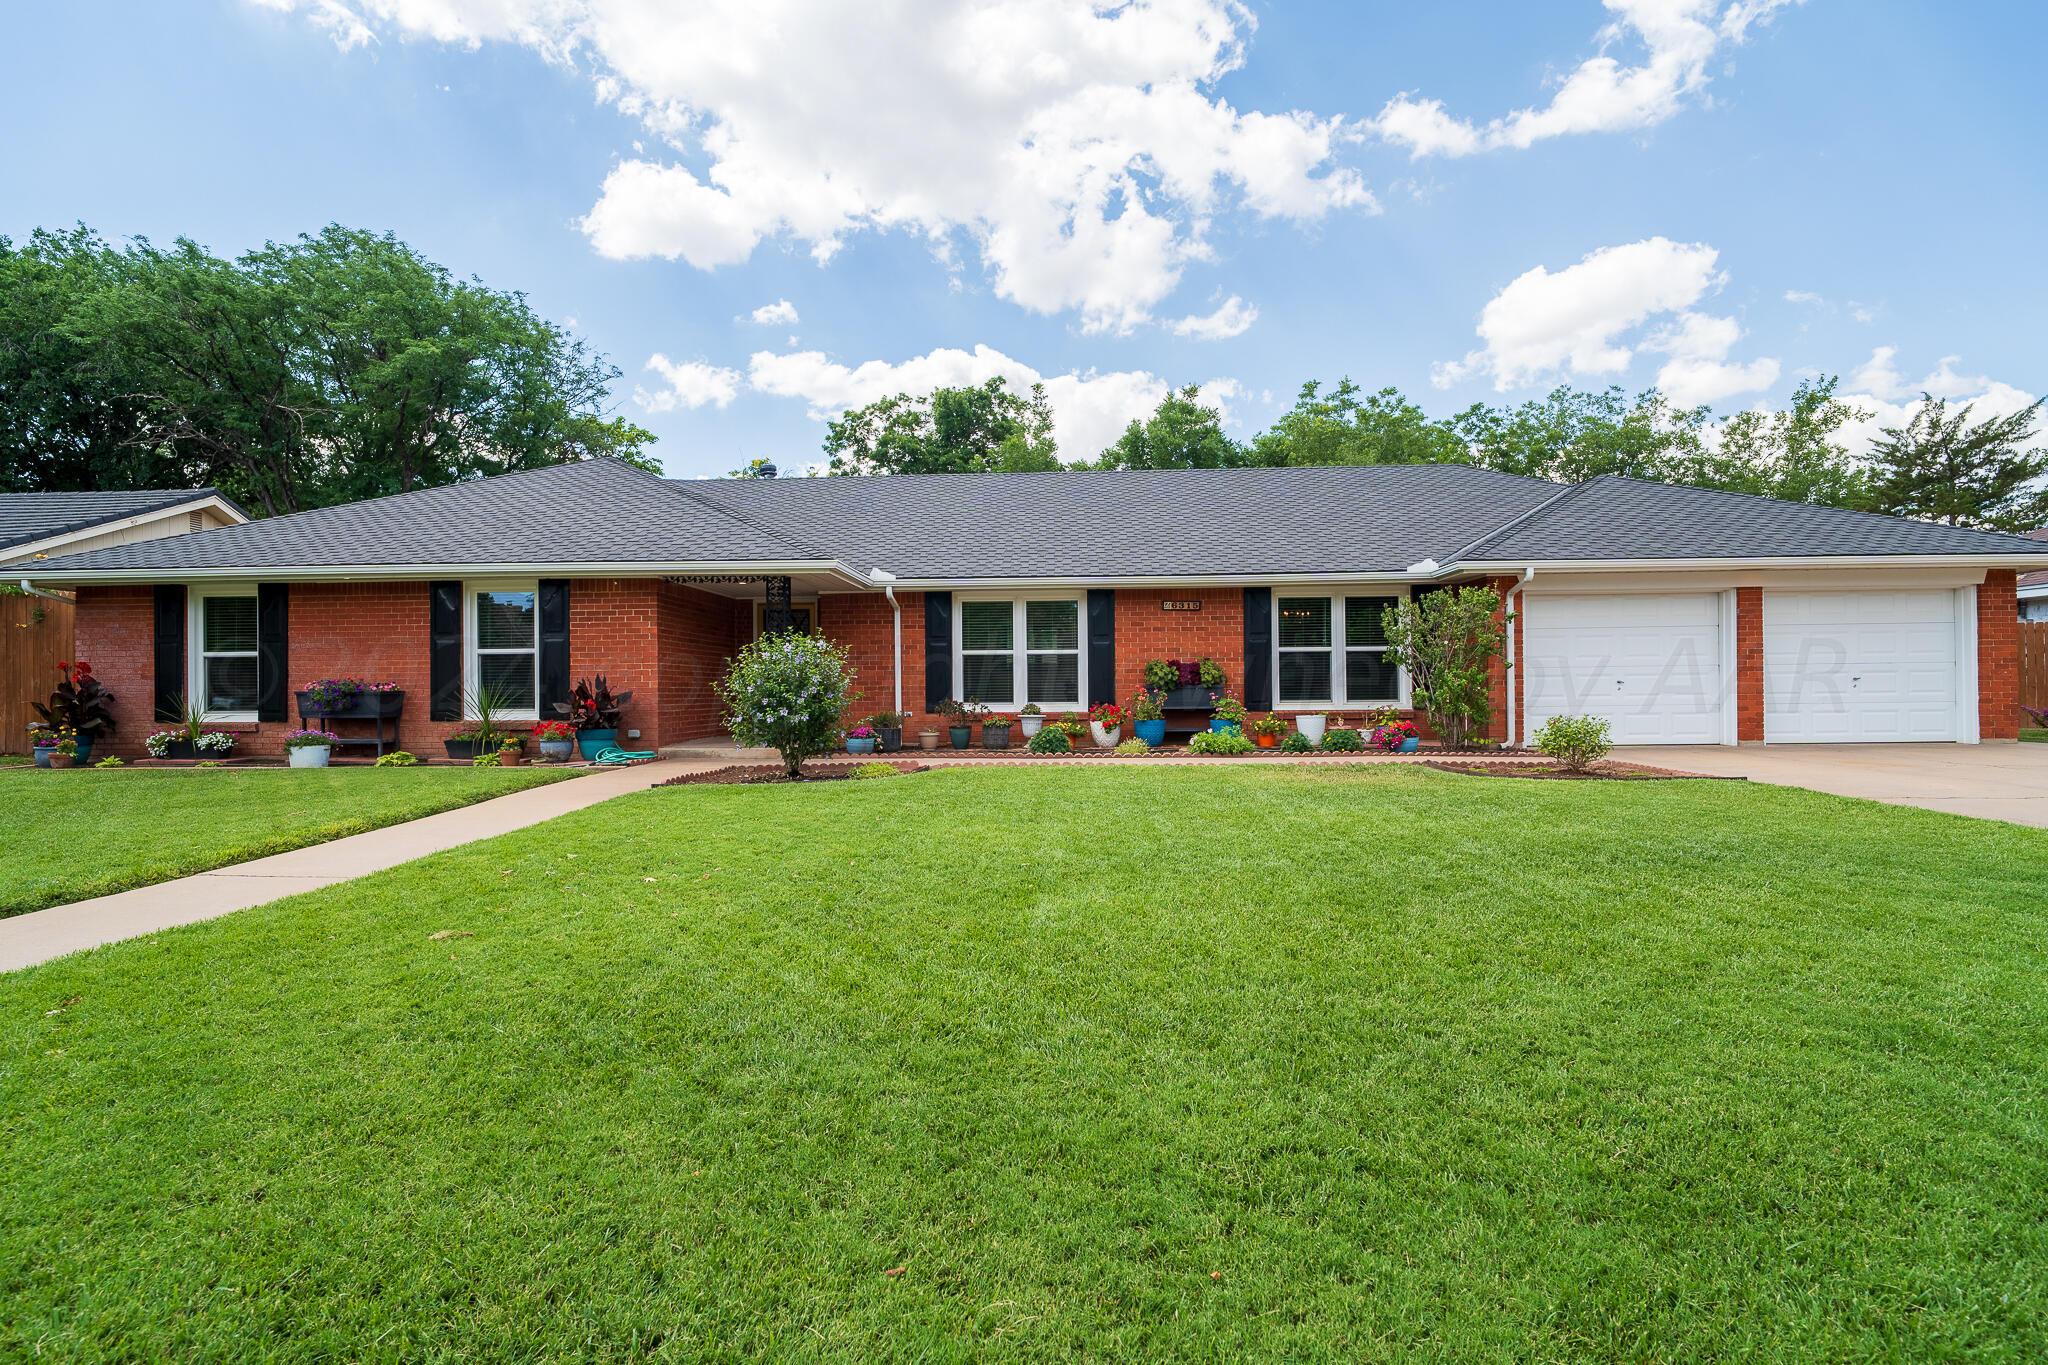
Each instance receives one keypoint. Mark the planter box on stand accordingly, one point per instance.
(379, 708)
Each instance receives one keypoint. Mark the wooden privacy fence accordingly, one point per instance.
(2034, 665)
(35, 636)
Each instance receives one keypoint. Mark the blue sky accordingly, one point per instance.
(1726, 195)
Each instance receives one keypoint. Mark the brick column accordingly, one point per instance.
(1749, 665)
(1998, 656)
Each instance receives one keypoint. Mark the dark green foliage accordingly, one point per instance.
(339, 366)
(1577, 742)
(1343, 741)
(947, 431)
(1182, 433)
(1342, 427)
(1050, 740)
(1296, 743)
(1222, 743)
(1944, 467)
(1447, 639)
(79, 701)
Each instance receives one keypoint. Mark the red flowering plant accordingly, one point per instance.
(549, 730)
(79, 703)
(998, 720)
(1391, 735)
(1108, 715)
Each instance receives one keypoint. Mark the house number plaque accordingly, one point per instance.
(1181, 604)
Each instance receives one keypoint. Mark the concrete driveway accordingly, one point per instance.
(1991, 781)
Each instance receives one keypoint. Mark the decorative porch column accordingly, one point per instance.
(775, 616)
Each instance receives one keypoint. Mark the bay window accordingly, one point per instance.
(1331, 650)
(503, 634)
(1009, 651)
(226, 674)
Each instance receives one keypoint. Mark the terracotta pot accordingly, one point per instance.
(1267, 741)
(62, 760)
(508, 758)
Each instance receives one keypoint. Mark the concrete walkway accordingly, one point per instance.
(40, 935)
(1990, 781)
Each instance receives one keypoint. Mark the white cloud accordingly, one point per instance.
(688, 384)
(781, 313)
(1880, 390)
(1699, 370)
(1678, 38)
(1879, 377)
(1572, 321)
(1803, 296)
(1077, 144)
(1234, 318)
(1090, 408)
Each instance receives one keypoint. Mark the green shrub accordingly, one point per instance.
(876, 768)
(1577, 742)
(1226, 742)
(787, 692)
(1051, 740)
(1448, 640)
(110, 761)
(1343, 742)
(485, 761)
(1297, 743)
(397, 758)
(1131, 748)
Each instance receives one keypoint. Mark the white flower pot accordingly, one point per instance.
(1106, 736)
(1311, 727)
(1031, 724)
(310, 756)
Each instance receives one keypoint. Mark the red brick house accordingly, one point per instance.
(1682, 615)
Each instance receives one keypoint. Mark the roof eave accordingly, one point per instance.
(212, 501)
(332, 573)
(1990, 561)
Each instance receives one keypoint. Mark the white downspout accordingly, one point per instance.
(33, 591)
(1514, 711)
(888, 582)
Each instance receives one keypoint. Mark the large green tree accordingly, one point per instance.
(1794, 452)
(339, 366)
(1942, 466)
(1572, 434)
(976, 429)
(1183, 432)
(1349, 426)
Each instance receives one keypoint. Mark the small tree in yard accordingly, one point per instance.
(1577, 742)
(1446, 639)
(787, 691)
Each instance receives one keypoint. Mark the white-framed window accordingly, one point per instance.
(227, 674)
(1011, 650)
(501, 629)
(1330, 649)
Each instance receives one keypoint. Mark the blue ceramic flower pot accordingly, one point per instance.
(860, 746)
(1153, 732)
(595, 742)
(1411, 744)
(1218, 725)
(84, 750)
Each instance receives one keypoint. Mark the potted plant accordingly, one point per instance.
(65, 754)
(81, 705)
(1267, 729)
(556, 739)
(1312, 726)
(1148, 717)
(888, 728)
(928, 739)
(43, 741)
(484, 735)
(309, 748)
(1031, 717)
(190, 740)
(1106, 723)
(1229, 715)
(510, 751)
(350, 699)
(995, 731)
(861, 739)
(594, 711)
(959, 720)
(1396, 736)
(1186, 685)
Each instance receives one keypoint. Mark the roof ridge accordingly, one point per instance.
(1520, 520)
(768, 529)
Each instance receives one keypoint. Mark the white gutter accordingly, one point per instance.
(888, 582)
(354, 573)
(43, 548)
(1514, 711)
(33, 591)
(1998, 561)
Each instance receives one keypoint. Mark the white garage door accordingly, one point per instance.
(1859, 667)
(1649, 665)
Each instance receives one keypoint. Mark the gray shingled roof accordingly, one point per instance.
(27, 517)
(1611, 517)
(2035, 580)
(1118, 524)
(593, 512)
(1140, 523)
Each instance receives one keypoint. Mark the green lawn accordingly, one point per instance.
(1113, 1064)
(86, 832)
(2034, 736)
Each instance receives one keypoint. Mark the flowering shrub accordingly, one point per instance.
(1578, 742)
(1392, 734)
(310, 739)
(1147, 706)
(1343, 741)
(1108, 715)
(861, 732)
(1225, 742)
(1051, 740)
(554, 731)
(1297, 743)
(998, 720)
(337, 694)
(1073, 727)
(1230, 709)
(786, 691)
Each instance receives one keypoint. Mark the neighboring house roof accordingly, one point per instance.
(30, 518)
(1140, 523)
(1617, 518)
(592, 512)
(2035, 584)
(1395, 520)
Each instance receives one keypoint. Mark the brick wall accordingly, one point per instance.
(1998, 656)
(864, 626)
(1145, 630)
(115, 632)
(699, 633)
(1749, 665)
(613, 631)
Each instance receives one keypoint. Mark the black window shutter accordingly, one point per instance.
(273, 654)
(554, 645)
(170, 651)
(444, 663)
(938, 648)
(1101, 645)
(1258, 649)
